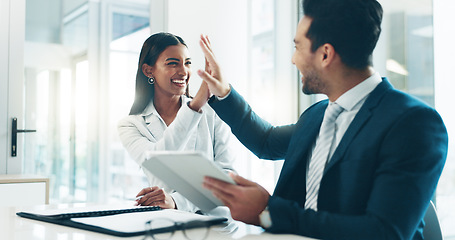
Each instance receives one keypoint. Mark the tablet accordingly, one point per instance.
(184, 172)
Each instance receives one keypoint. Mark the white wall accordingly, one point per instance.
(225, 22)
(444, 65)
(4, 45)
(444, 53)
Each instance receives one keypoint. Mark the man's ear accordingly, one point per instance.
(327, 54)
(147, 70)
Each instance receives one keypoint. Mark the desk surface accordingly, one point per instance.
(13, 227)
(22, 178)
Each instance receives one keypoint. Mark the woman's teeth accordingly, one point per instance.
(179, 81)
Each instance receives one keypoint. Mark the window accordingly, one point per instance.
(124, 179)
(76, 92)
(270, 93)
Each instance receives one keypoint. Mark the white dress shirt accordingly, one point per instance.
(190, 131)
(351, 101)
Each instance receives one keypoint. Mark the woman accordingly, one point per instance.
(164, 117)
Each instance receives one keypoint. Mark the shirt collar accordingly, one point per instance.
(355, 95)
(151, 110)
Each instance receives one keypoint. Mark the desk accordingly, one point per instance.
(13, 227)
(23, 190)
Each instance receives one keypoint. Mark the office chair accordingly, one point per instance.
(432, 229)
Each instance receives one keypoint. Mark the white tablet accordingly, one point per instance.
(184, 172)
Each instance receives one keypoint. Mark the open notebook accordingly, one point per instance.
(122, 222)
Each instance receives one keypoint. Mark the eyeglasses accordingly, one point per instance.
(163, 229)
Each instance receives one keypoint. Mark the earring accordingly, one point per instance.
(151, 80)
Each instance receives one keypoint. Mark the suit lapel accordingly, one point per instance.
(359, 121)
(293, 172)
(292, 182)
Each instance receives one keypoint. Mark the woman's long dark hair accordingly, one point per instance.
(151, 50)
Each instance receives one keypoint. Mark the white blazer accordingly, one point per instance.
(190, 131)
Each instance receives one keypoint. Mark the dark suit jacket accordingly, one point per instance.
(378, 183)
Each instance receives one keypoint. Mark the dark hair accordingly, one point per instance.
(352, 27)
(151, 50)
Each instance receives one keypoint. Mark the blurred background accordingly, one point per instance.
(80, 60)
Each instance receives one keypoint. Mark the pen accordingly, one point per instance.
(139, 198)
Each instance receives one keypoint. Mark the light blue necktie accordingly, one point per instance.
(321, 154)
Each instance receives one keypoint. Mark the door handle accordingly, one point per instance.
(14, 133)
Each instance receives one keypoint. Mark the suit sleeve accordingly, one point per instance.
(259, 136)
(410, 160)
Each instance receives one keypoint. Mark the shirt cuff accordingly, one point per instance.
(227, 95)
(182, 203)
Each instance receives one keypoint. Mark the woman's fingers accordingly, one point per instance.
(146, 190)
(147, 195)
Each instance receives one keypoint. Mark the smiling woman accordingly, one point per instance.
(164, 117)
(171, 72)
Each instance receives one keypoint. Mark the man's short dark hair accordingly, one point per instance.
(352, 27)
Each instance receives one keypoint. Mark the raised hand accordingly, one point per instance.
(203, 93)
(212, 74)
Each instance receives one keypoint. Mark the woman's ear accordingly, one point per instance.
(147, 70)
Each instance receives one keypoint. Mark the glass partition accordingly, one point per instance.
(124, 177)
(71, 79)
(56, 82)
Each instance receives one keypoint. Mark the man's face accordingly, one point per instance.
(305, 60)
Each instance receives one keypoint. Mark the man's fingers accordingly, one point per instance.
(206, 77)
(219, 193)
(206, 41)
(241, 180)
(222, 188)
(222, 198)
(207, 52)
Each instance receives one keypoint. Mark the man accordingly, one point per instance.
(363, 164)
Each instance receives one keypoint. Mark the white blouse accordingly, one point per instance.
(190, 131)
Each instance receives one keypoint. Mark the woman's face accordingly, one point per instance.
(172, 71)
